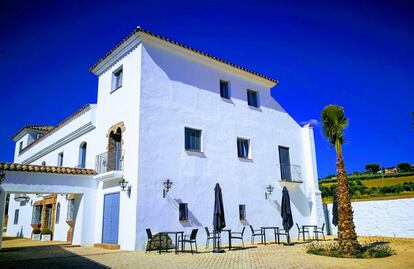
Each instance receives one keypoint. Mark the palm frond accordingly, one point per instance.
(334, 123)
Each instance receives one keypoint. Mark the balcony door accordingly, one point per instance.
(284, 160)
(114, 150)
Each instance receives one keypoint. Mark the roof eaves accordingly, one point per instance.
(139, 29)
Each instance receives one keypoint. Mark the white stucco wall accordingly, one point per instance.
(121, 105)
(23, 228)
(61, 229)
(176, 93)
(392, 218)
(66, 139)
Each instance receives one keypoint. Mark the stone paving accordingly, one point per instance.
(21, 254)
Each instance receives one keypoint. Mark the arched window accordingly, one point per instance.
(57, 213)
(82, 155)
(43, 163)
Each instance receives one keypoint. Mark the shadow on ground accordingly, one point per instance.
(53, 256)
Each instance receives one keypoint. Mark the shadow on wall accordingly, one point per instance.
(76, 204)
(20, 233)
(245, 222)
(172, 66)
(192, 220)
(276, 205)
(301, 201)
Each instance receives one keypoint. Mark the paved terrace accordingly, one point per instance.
(24, 253)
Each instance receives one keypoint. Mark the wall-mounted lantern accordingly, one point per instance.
(269, 190)
(125, 186)
(167, 186)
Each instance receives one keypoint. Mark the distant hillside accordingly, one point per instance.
(396, 187)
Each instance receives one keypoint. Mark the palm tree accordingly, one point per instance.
(334, 123)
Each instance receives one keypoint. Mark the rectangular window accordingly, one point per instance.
(16, 216)
(60, 159)
(242, 212)
(20, 146)
(192, 139)
(183, 211)
(243, 148)
(117, 79)
(284, 160)
(224, 89)
(252, 98)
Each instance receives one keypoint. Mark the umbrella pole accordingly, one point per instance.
(216, 245)
(288, 243)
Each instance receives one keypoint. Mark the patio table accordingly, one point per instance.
(309, 226)
(276, 231)
(176, 233)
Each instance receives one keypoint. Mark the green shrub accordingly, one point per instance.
(380, 251)
(36, 231)
(46, 231)
(372, 250)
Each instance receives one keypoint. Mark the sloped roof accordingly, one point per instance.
(45, 169)
(44, 128)
(56, 127)
(141, 30)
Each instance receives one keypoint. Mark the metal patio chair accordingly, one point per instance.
(302, 231)
(318, 230)
(238, 235)
(150, 238)
(190, 239)
(258, 232)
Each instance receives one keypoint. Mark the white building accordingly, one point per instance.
(166, 111)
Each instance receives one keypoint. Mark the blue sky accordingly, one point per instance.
(354, 53)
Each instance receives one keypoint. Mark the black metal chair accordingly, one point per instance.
(190, 239)
(282, 232)
(238, 235)
(256, 233)
(318, 230)
(210, 236)
(150, 239)
(302, 231)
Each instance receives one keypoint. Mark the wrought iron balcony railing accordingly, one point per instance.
(290, 173)
(109, 161)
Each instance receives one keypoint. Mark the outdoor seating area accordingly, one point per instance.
(163, 241)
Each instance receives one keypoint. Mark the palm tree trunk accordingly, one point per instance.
(348, 243)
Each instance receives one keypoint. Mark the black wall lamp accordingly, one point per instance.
(167, 186)
(269, 190)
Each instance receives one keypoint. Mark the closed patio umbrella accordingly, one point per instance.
(335, 210)
(286, 214)
(219, 221)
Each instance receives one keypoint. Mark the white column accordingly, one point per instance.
(2, 211)
(317, 215)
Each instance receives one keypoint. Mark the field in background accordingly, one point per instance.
(378, 182)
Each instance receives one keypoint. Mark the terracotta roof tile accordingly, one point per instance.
(45, 169)
(139, 29)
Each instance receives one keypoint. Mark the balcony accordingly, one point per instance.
(290, 173)
(109, 161)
